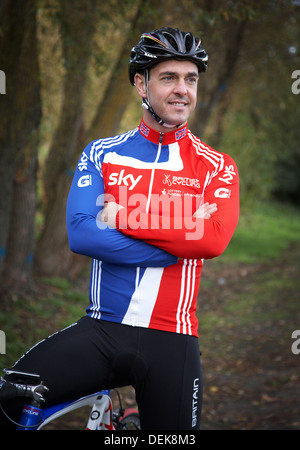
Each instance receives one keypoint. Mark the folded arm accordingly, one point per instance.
(205, 234)
(89, 236)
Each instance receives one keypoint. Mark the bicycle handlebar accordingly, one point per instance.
(10, 390)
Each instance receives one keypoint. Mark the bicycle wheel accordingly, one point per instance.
(131, 420)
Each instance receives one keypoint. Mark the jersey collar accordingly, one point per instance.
(168, 137)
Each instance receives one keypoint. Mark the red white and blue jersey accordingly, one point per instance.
(146, 273)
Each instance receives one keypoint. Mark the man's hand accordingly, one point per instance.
(109, 213)
(205, 211)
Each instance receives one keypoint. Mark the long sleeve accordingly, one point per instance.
(195, 238)
(89, 236)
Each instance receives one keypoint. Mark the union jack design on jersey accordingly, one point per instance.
(146, 272)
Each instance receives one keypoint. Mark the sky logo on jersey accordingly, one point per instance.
(82, 165)
(127, 180)
(228, 175)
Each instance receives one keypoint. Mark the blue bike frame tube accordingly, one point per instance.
(31, 416)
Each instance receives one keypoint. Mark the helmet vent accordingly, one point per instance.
(172, 41)
(189, 41)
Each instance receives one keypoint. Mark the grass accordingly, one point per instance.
(31, 318)
(262, 236)
(245, 328)
(263, 233)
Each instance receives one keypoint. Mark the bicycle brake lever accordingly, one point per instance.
(38, 392)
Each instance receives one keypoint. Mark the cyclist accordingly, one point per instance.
(147, 206)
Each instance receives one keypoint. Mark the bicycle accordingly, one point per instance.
(35, 417)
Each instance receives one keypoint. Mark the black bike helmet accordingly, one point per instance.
(166, 43)
(161, 45)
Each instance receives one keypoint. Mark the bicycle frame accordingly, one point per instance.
(34, 418)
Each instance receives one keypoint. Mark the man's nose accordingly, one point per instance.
(180, 87)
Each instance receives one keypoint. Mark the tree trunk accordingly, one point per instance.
(9, 49)
(53, 256)
(108, 116)
(214, 94)
(24, 114)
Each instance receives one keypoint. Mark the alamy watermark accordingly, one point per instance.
(168, 213)
(296, 343)
(296, 84)
(2, 82)
(2, 343)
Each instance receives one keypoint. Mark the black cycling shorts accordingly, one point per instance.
(163, 367)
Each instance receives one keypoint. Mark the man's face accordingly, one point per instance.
(173, 90)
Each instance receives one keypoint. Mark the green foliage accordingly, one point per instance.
(263, 232)
(285, 131)
(261, 125)
(35, 315)
(254, 158)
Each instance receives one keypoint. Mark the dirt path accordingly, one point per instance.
(247, 315)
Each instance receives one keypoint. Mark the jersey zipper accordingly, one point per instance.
(136, 301)
(153, 171)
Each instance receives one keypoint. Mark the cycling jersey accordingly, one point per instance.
(146, 272)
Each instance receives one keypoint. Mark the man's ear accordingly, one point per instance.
(140, 85)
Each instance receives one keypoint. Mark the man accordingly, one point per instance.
(147, 206)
